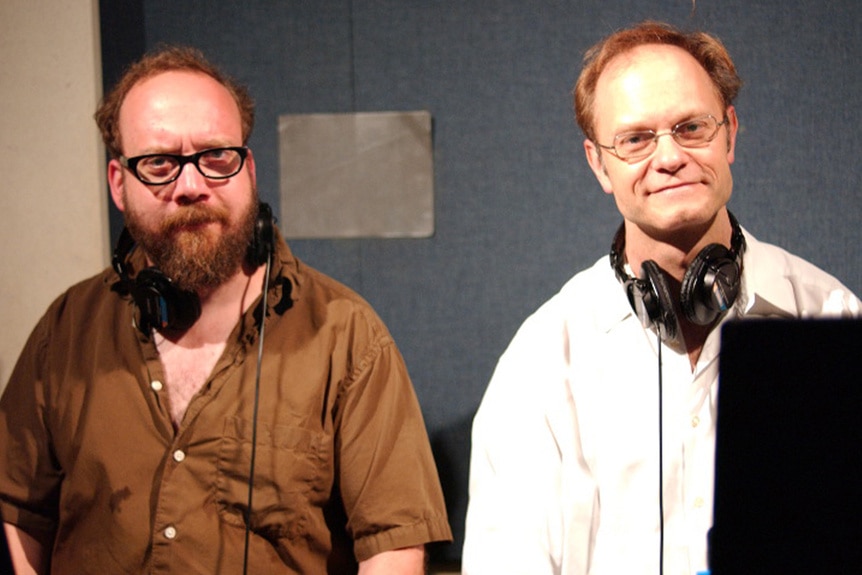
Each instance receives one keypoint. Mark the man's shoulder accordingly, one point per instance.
(75, 313)
(587, 303)
(790, 283)
(584, 292)
(329, 301)
(764, 259)
(86, 292)
(322, 288)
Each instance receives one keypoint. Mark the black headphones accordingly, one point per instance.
(709, 287)
(164, 306)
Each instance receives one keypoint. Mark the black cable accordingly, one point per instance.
(660, 462)
(254, 411)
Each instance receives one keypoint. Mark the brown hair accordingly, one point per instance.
(166, 59)
(706, 49)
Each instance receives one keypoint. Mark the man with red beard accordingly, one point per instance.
(210, 404)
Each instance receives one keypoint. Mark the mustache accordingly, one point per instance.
(194, 215)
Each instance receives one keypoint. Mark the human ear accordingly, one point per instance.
(597, 164)
(116, 183)
(252, 168)
(732, 130)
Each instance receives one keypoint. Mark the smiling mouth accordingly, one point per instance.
(673, 187)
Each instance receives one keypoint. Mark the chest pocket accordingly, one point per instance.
(292, 478)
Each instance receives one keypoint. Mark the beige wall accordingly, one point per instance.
(53, 203)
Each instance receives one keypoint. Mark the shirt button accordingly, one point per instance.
(179, 455)
(698, 502)
(156, 385)
(695, 421)
(170, 531)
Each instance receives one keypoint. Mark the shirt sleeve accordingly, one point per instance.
(29, 474)
(530, 488)
(512, 487)
(387, 475)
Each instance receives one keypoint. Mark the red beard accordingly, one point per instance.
(199, 247)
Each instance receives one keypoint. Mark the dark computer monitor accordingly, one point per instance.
(788, 495)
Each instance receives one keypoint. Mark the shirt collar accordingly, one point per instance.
(766, 287)
(614, 307)
(760, 293)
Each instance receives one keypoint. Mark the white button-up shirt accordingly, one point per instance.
(564, 475)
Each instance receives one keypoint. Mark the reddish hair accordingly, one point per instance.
(167, 59)
(706, 49)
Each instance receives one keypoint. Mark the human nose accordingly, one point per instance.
(668, 153)
(660, 134)
(190, 184)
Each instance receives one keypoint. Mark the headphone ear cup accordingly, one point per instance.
(263, 240)
(655, 302)
(161, 304)
(710, 285)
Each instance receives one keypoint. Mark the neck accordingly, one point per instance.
(675, 250)
(692, 336)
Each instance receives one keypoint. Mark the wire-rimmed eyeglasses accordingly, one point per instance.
(630, 146)
(160, 169)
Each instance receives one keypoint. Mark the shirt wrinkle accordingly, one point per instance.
(564, 459)
(100, 461)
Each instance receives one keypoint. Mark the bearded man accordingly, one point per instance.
(209, 404)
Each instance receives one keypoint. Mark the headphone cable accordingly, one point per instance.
(255, 410)
(660, 461)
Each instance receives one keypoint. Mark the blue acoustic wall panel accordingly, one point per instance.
(517, 210)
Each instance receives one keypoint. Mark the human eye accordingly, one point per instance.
(633, 141)
(695, 131)
(157, 166)
(218, 156)
(216, 153)
(219, 161)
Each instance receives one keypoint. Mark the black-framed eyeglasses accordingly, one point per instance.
(630, 146)
(214, 163)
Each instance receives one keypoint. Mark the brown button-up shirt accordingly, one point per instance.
(343, 467)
